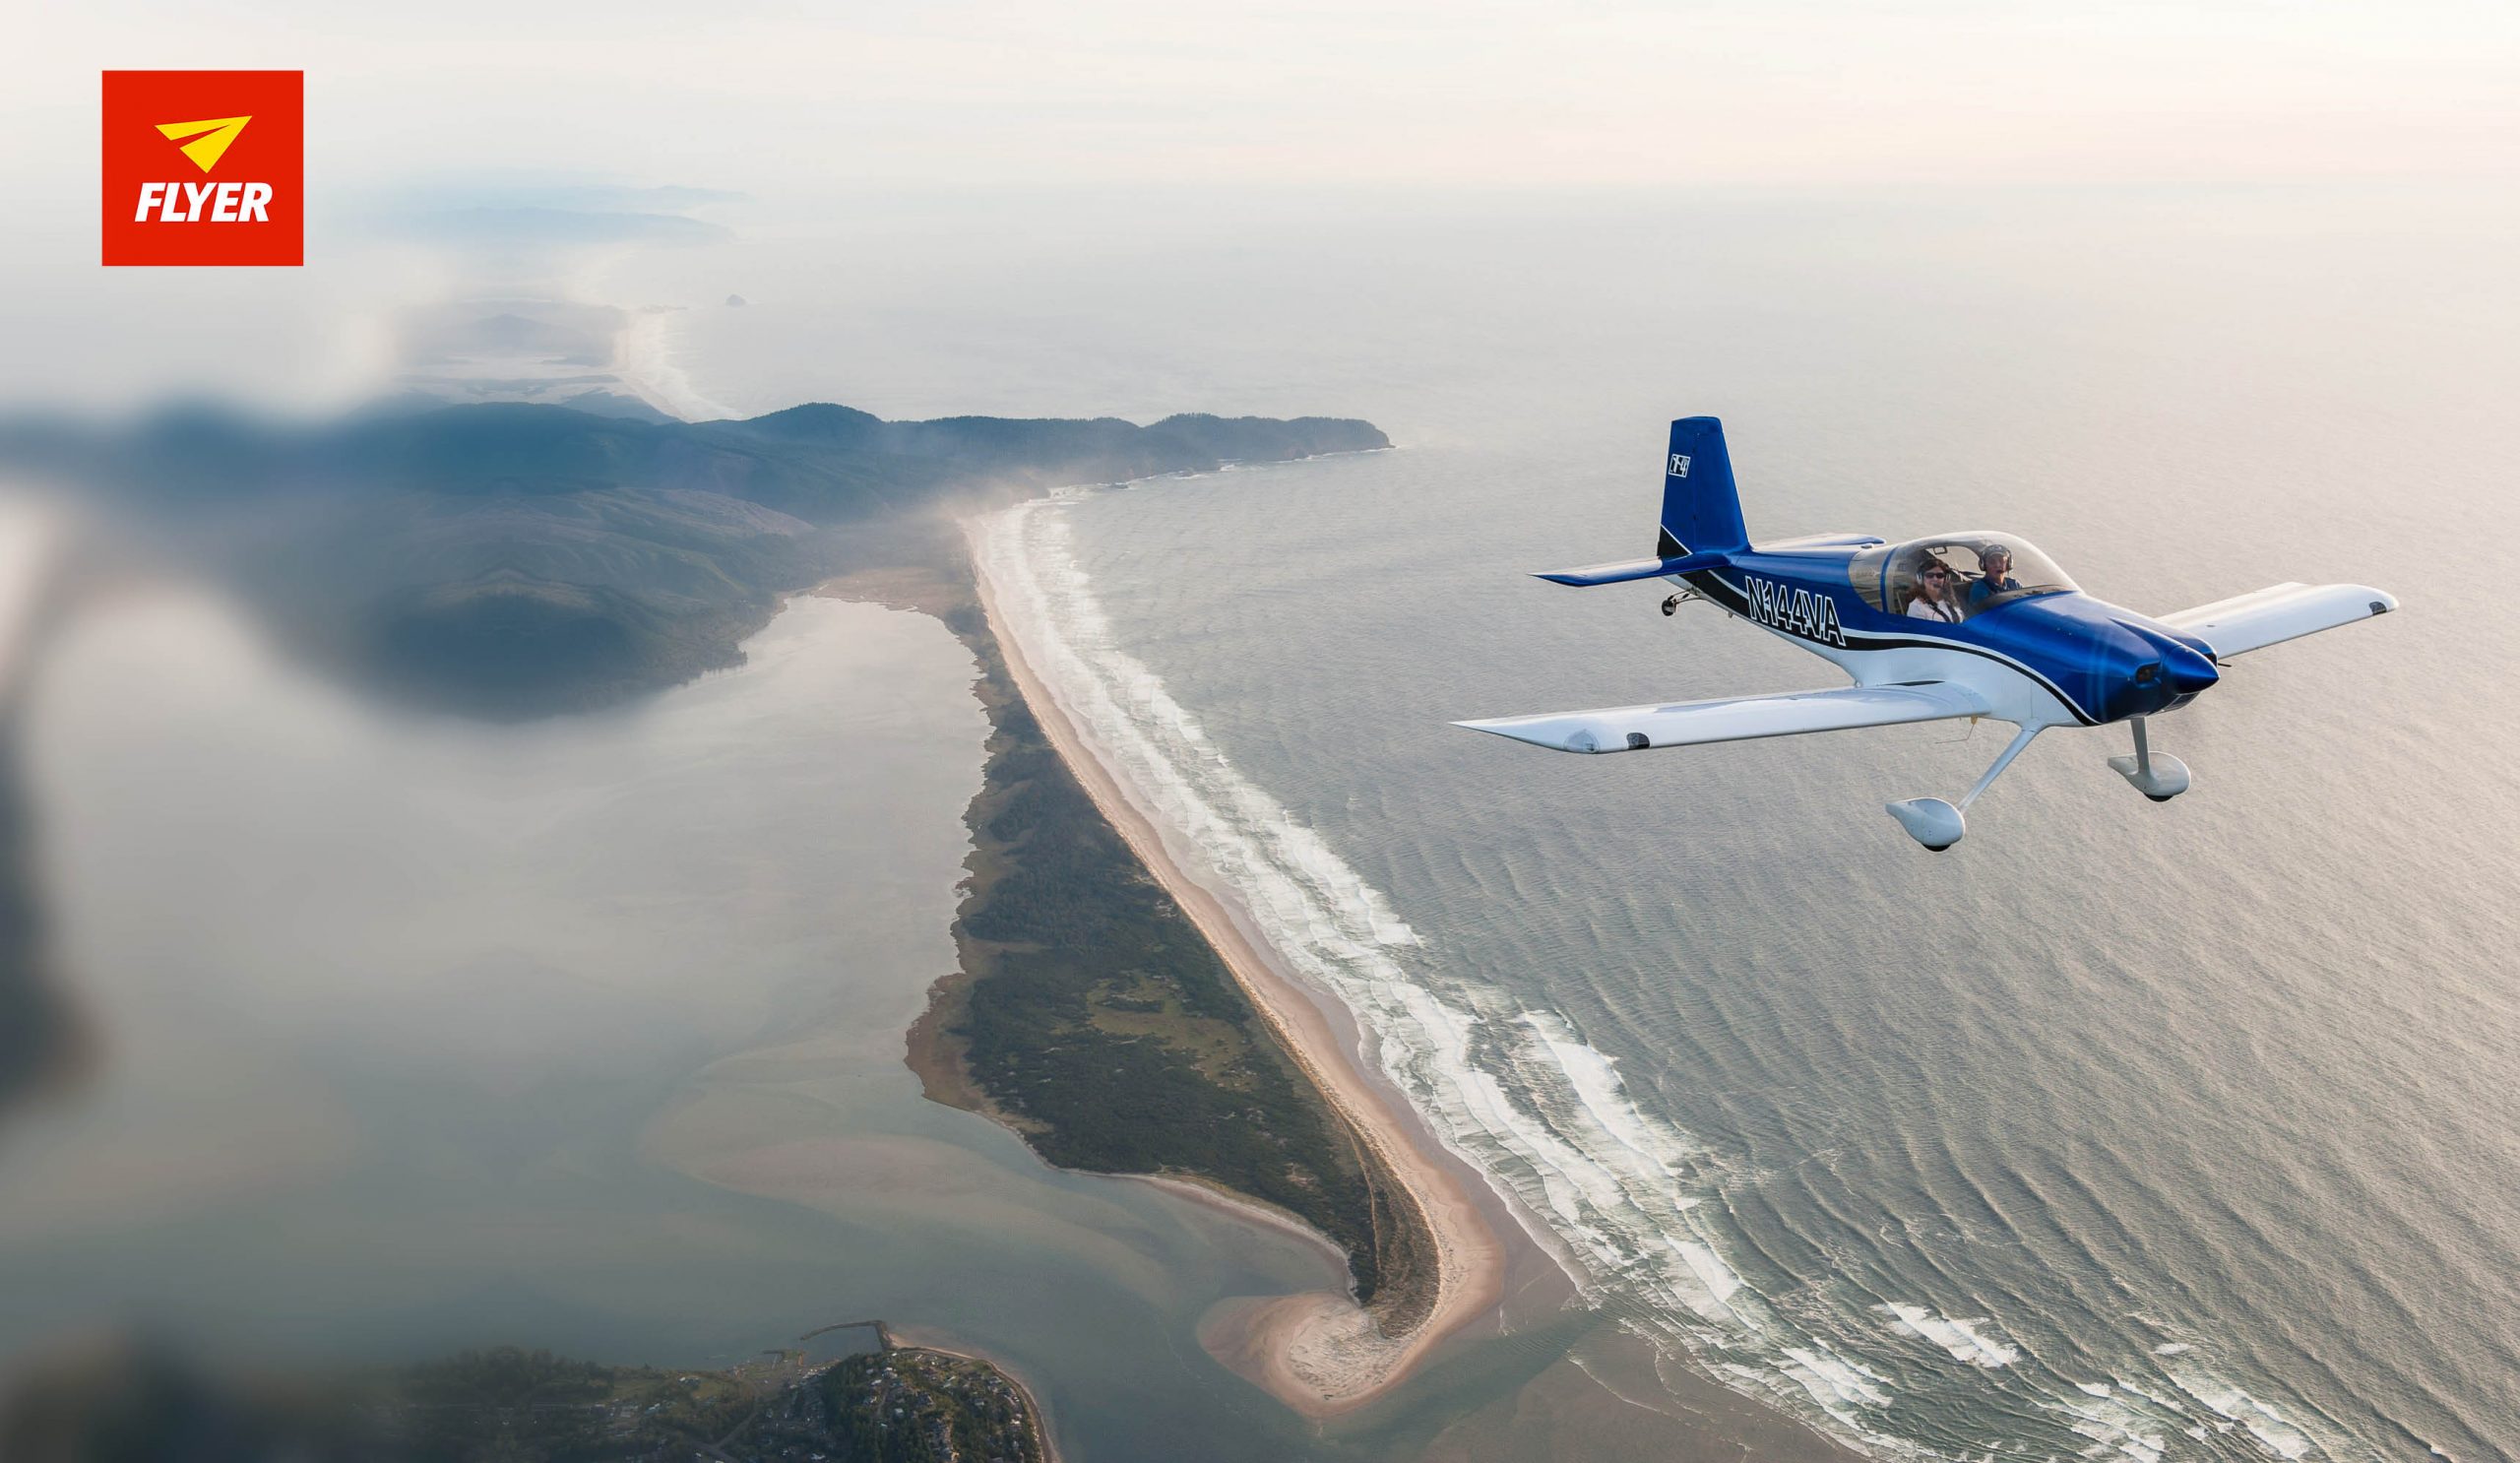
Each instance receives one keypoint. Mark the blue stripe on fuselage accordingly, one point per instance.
(2084, 651)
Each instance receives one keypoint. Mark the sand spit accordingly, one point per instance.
(1320, 1352)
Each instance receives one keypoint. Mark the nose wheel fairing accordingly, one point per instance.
(2157, 775)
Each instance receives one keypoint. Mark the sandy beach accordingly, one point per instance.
(1318, 1352)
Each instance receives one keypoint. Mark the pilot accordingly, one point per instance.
(1995, 562)
(1933, 599)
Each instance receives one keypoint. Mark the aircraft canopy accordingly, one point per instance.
(1949, 577)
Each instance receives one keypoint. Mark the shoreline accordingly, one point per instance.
(1214, 1195)
(1319, 1352)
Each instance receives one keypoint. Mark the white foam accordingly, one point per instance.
(1830, 1380)
(2235, 1406)
(1711, 1271)
(1958, 1337)
(1596, 1081)
(2116, 1425)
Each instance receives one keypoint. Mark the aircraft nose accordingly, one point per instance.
(2169, 670)
(2188, 671)
(2176, 669)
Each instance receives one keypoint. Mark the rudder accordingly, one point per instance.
(1701, 508)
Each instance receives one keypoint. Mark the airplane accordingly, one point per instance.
(1966, 624)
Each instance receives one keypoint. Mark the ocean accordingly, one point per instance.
(2176, 1131)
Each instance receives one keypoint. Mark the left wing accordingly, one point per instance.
(1591, 575)
(2277, 614)
(1633, 728)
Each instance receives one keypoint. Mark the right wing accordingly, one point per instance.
(2277, 614)
(1625, 729)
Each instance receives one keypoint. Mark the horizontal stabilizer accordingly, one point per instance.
(1633, 728)
(2277, 614)
(1620, 573)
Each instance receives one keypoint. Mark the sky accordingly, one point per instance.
(1449, 93)
(837, 113)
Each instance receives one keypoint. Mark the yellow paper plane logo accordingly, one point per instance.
(209, 139)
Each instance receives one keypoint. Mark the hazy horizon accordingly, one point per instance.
(1416, 92)
(430, 128)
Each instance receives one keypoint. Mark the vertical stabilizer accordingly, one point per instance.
(1701, 510)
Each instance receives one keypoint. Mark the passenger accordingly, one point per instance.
(1933, 598)
(1995, 563)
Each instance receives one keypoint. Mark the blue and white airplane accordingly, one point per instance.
(1969, 624)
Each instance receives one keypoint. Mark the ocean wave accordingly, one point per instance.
(2236, 1407)
(1960, 1338)
(1628, 1204)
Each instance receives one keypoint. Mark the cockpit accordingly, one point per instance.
(1949, 577)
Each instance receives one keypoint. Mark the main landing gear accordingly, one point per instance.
(2160, 777)
(1938, 824)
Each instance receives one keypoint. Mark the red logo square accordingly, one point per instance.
(205, 167)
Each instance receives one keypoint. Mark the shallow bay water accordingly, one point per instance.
(414, 1035)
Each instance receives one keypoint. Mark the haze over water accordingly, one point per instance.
(2176, 1131)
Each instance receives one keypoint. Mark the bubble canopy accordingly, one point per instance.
(1950, 577)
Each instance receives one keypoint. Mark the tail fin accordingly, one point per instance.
(1701, 510)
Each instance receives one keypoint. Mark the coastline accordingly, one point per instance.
(1065, 936)
(1318, 1352)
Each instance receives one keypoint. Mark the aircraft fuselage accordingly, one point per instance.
(2060, 658)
